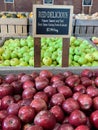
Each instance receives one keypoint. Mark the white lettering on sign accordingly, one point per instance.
(52, 14)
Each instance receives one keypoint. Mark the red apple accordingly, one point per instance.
(87, 73)
(49, 90)
(58, 113)
(38, 104)
(82, 127)
(24, 102)
(41, 83)
(76, 95)
(13, 109)
(66, 127)
(9, 78)
(20, 75)
(28, 84)
(94, 118)
(69, 105)
(86, 81)
(45, 119)
(95, 103)
(92, 91)
(26, 114)
(3, 115)
(65, 90)
(26, 77)
(58, 83)
(28, 93)
(11, 122)
(77, 118)
(46, 73)
(5, 89)
(96, 81)
(34, 74)
(85, 101)
(67, 74)
(72, 80)
(34, 127)
(57, 126)
(17, 85)
(6, 101)
(41, 95)
(57, 99)
(80, 88)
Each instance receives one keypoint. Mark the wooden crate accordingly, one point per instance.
(86, 28)
(13, 27)
(30, 28)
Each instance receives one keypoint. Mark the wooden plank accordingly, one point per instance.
(37, 52)
(80, 22)
(13, 21)
(11, 29)
(82, 30)
(4, 30)
(24, 29)
(65, 52)
(77, 32)
(18, 29)
(96, 31)
(90, 31)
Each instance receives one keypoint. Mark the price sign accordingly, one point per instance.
(87, 2)
(52, 21)
(48, 1)
(8, 1)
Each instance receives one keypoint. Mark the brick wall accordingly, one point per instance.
(26, 5)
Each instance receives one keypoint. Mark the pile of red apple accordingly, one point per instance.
(48, 101)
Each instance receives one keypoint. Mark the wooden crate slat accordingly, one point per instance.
(18, 29)
(13, 21)
(24, 29)
(4, 30)
(11, 29)
(86, 22)
(82, 30)
(96, 31)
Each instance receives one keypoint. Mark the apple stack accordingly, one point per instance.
(49, 101)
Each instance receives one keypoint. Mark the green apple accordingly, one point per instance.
(23, 63)
(14, 62)
(1, 50)
(6, 63)
(82, 61)
(31, 62)
(23, 42)
(95, 55)
(13, 55)
(47, 61)
(6, 55)
(89, 57)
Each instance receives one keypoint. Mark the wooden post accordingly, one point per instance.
(37, 52)
(65, 52)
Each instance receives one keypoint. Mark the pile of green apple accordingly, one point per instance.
(17, 52)
(82, 53)
(20, 52)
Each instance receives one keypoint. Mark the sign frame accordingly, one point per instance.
(35, 7)
(45, 2)
(83, 4)
(8, 1)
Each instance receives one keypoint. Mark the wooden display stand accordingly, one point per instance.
(61, 27)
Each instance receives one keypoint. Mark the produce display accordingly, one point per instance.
(87, 16)
(12, 15)
(49, 101)
(20, 52)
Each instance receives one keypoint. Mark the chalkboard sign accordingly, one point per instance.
(87, 2)
(53, 21)
(48, 1)
(8, 1)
